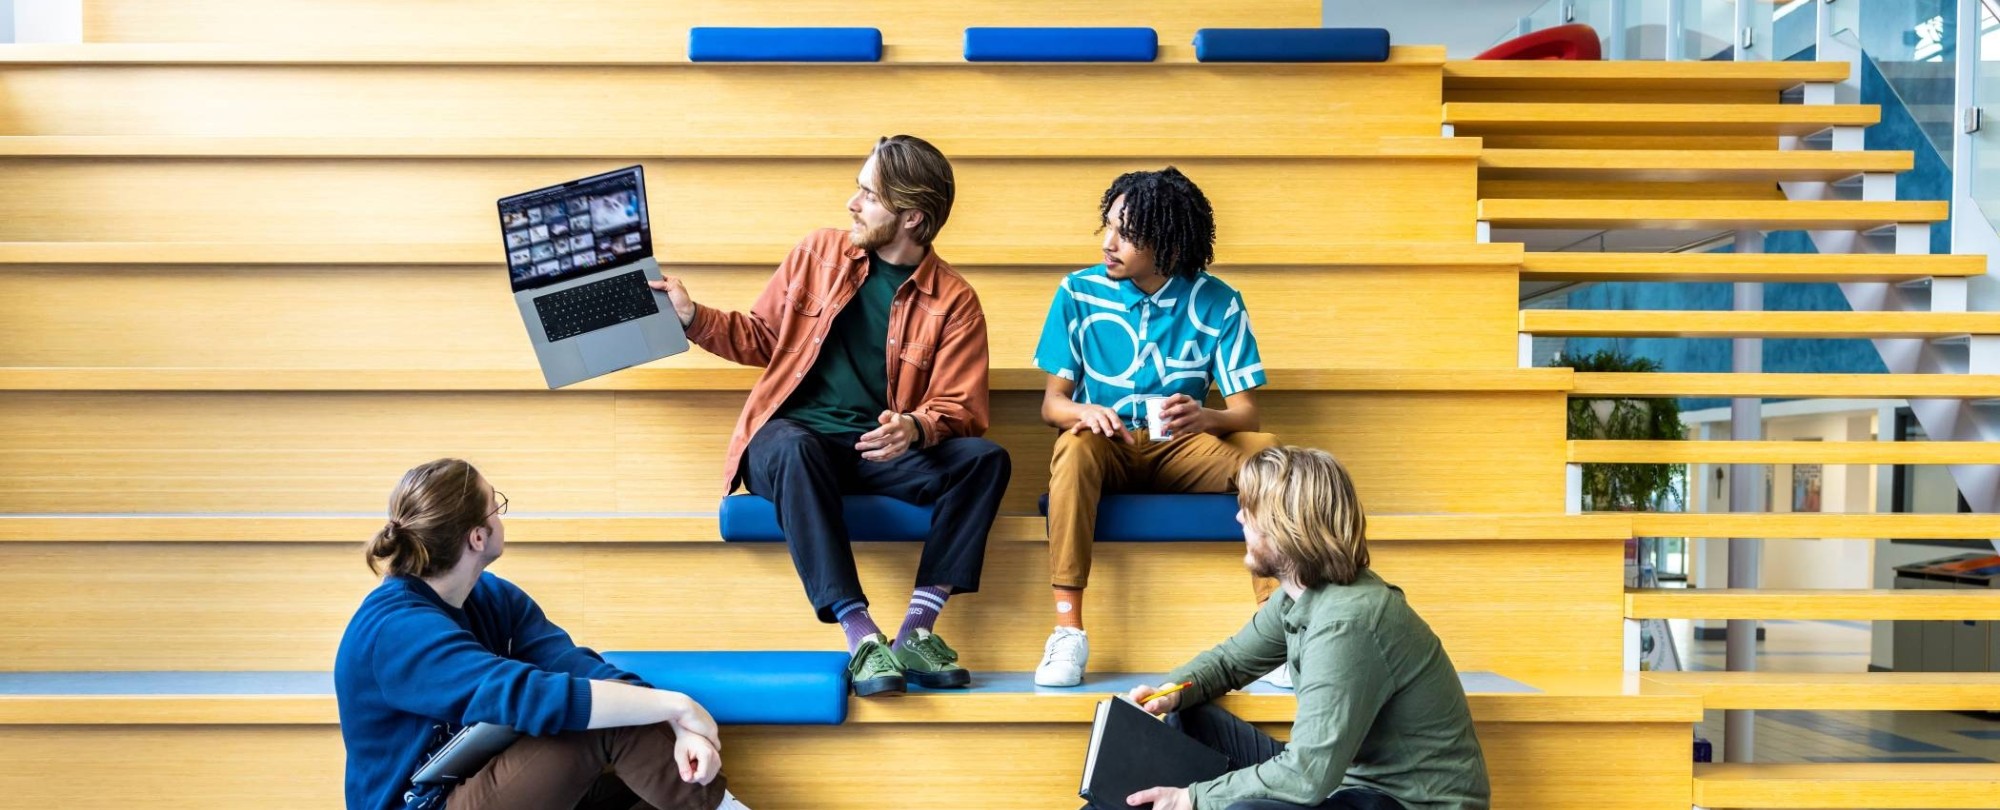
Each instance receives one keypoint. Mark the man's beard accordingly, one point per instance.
(1263, 561)
(872, 238)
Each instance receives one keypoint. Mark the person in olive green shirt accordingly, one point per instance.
(1382, 719)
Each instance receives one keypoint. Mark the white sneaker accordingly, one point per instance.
(729, 802)
(1280, 677)
(1063, 658)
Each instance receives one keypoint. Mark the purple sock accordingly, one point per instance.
(855, 622)
(925, 605)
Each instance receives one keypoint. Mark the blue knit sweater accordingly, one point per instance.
(412, 670)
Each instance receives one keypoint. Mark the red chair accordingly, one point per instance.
(1575, 41)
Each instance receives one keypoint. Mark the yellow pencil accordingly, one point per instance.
(1165, 692)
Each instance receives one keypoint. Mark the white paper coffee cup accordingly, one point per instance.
(1156, 424)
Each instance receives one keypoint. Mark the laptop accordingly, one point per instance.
(465, 753)
(579, 255)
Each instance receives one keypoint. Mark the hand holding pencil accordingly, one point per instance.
(1158, 699)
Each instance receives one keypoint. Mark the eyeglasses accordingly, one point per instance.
(498, 496)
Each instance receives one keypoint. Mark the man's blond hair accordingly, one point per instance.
(1302, 501)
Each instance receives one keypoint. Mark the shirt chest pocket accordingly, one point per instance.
(803, 324)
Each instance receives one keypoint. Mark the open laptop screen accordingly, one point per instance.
(583, 226)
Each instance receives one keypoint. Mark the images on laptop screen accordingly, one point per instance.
(584, 226)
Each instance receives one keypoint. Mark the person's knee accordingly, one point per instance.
(1082, 451)
(1250, 443)
(984, 454)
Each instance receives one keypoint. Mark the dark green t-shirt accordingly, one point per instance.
(848, 386)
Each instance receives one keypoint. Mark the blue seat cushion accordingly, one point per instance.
(1061, 44)
(753, 519)
(1152, 518)
(717, 44)
(750, 688)
(1291, 45)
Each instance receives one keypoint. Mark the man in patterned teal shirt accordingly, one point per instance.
(1150, 322)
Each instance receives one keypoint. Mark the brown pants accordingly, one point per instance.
(583, 768)
(1087, 465)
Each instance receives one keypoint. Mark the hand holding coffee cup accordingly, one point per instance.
(1177, 415)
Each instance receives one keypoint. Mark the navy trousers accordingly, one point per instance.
(804, 474)
(1245, 746)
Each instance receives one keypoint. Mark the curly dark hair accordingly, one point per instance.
(1166, 213)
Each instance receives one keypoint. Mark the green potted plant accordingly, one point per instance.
(1624, 487)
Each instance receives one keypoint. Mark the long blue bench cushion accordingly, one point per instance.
(1061, 44)
(1145, 518)
(1291, 45)
(752, 519)
(750, 688)
(716, 44)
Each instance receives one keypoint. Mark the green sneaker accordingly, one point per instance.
(932, 663)
(872, 670)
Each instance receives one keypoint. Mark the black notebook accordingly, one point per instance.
(465, 753)
(1131, 750)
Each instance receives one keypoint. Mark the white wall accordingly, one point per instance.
(55, 21)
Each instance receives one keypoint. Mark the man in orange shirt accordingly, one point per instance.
(874, 356)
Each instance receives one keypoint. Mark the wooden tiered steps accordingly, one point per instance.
(1812, 605)
(693, 528)
(667, 53)
(763, 148)
(1635, 75)
(667, 378)
(1675, 166)
(1777, 215)
(1536, 741)
(1846, 785)
(1728, 324)
(1799, 267)
(694, 254)
(1652, 120)
(1777, 452)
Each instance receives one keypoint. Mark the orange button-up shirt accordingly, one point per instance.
(937, 340)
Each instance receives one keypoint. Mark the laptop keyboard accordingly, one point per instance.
(596, 305)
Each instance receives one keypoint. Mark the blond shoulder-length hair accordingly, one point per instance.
(1303, 502)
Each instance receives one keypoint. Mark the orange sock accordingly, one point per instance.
(1069, 607)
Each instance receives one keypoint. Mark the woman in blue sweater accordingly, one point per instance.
(441, 644)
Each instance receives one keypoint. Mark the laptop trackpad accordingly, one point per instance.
(612, 348)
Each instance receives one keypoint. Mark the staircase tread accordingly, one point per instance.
(1581, 266)
(1813, 605)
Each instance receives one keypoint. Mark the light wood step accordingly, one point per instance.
(1810, 525)
(1503, 118)
(773, 148)
(1685, 165)
(669, 52)
(268, 698)
(700, 528)
(1776, 452)
(1470, 74)
(1856, 386)
(1374, 254)
(1833, 691)
(1813, 605)
(1846, 785)
(1776, 215)
(1888, 267)
(665, 377)
(1724, 324)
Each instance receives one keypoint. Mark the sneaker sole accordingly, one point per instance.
(1064, 684)
(949, 679)
(889, 684)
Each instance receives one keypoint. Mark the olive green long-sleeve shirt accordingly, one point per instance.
(1380, 705)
